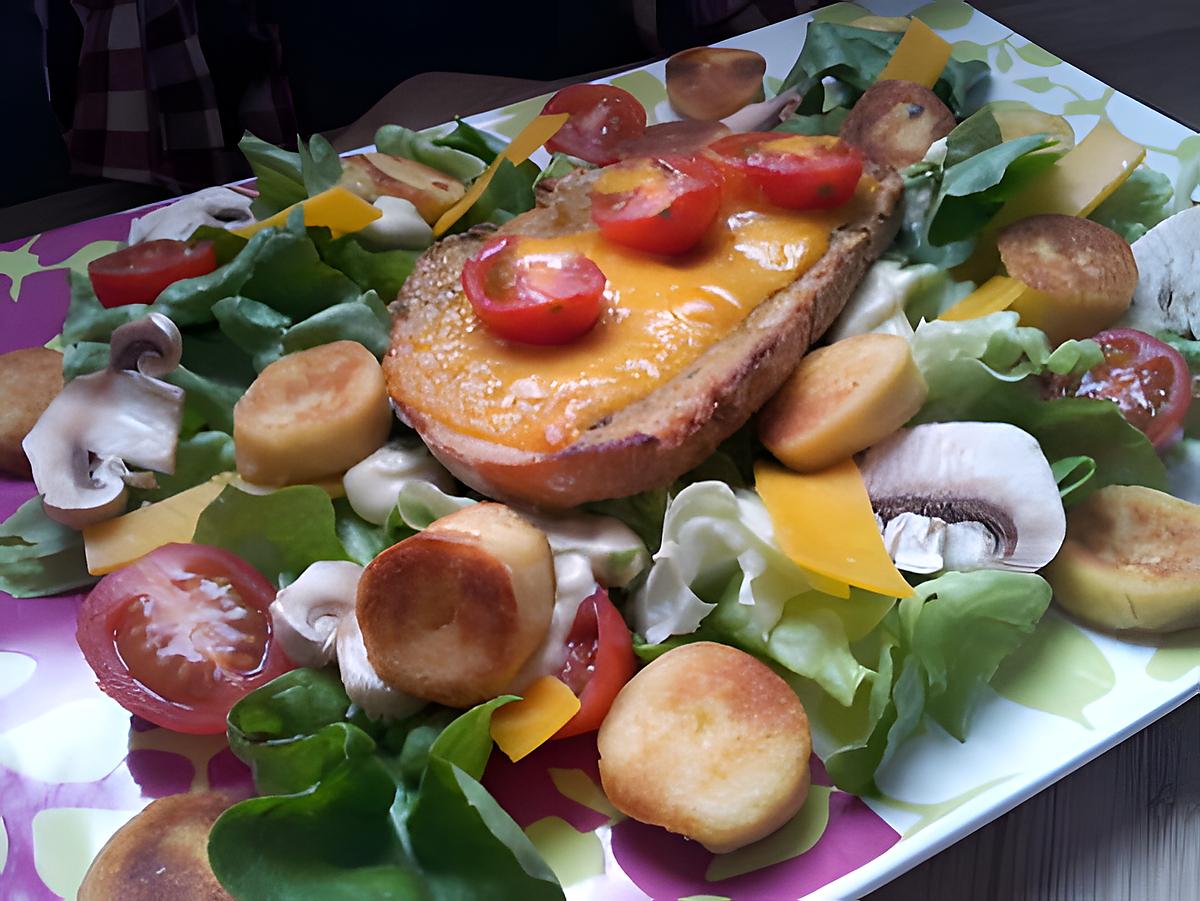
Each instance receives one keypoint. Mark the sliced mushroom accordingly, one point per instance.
(965, 496)
(100, 424)
(315, 623)
(214, 207)
(1167, 296)
(765, 114)
(307, 613)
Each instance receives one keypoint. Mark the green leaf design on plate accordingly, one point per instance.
(573, 856)
(515, 117)
(1058, 670)
(1176, 656)
(930, 813)
(966, 51)
(1039, 84)
(1003, 59)
(1188, 154)
(945, 14)
(579, 787)
(1036, 56)
(1083, 107)
(841, 13)
(649, 91)
(791, 840)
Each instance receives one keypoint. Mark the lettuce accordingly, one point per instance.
(38, 556)
(1141, 202)
(855, 57)
(932, 655)
(985, 370)
(280, 533)
(893, 297)
(284, 177)
(951, 196)
(352, 808)
(397, 140)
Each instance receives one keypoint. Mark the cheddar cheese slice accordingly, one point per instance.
(825, 523)
(337, 209)
(920, 56)
(118, 542)
(520, 727)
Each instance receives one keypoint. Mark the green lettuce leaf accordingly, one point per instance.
(284, 177)
(198, 458)
(38, 556)
(381, 271)
(982, 369)
(934, 652)
(280, 534)
(856, 56)
(469, 139)
(400, 141)
(356, 808)
(1141, 202)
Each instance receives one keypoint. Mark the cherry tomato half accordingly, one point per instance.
(662, 205)
(181, 635)
(602, 116)
(533, 298)
(139, 273)
(793, 171)
(599, 662)
(1148, 379)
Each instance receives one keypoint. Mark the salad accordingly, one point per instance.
(988, 449)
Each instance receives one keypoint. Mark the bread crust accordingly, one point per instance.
(653, 441)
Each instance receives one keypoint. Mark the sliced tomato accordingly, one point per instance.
(1147, 378)
(602, 117)
(599, 662)
(181, 635)
(545, 298)
(139, 273)
(793, 171)
(661, 205)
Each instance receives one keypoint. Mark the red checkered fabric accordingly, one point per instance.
(146, 110)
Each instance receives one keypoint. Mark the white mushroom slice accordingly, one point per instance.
(765, 114)
(1167, 296)
(314, 620)
(216, 207)
(306, 614)
(101, 423)
(964, 496)
(363, 685)
(374, 484)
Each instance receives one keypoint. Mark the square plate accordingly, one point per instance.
(72, 770)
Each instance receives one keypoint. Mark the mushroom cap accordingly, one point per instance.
(984, 489)
(151, 345)
(307, 613)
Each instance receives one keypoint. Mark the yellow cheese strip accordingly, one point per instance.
(824, 521)
(522, 726)
(531, 137)
(920, 56)
(118, 542)
(998, 293)
(1078, 183)
(337, 209)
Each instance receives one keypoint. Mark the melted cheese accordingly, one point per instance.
(520, 727)
(661, 314)
(824, 521)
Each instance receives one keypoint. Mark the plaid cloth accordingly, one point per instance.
(146, 110)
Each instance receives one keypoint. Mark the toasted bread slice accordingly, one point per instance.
(654, 440)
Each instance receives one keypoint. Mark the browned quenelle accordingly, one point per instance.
(895, 122)
(29, 379)
(708, 742)
(161, 853)
(1084, 272)
(678, 423)
(374, 175)
(714, 82)
(451, 614)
